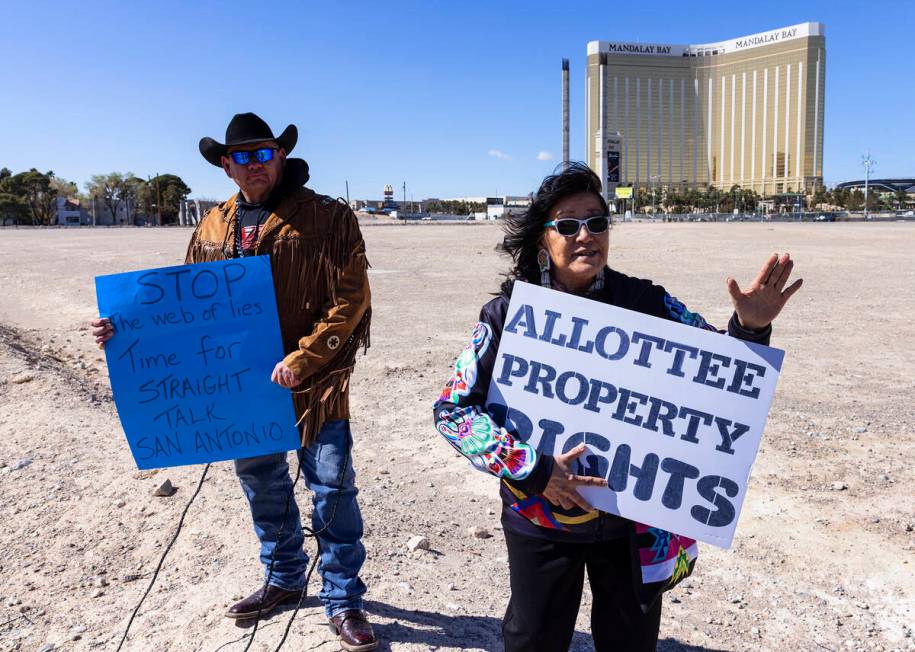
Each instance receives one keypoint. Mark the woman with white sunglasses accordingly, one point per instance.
(553, 535)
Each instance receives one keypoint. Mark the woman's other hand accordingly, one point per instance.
(760, 303)
(102, 330)
(562, 489)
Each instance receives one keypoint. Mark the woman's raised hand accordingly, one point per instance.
(765, 297)
(562, 488)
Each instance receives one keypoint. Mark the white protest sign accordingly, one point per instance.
(672, 414)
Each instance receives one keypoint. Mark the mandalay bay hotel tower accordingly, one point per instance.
(747, 112)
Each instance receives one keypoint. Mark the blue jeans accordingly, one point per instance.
(266, 483)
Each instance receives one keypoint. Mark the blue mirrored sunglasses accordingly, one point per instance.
(261, 155)
(569, 226)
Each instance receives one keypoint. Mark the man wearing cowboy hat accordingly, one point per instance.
(322, 293)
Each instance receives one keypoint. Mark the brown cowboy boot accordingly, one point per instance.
(354, 630)
(257, 601)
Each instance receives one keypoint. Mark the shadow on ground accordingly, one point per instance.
(482, 632)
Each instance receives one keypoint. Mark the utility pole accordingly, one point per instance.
(158, 202)
(347, 192)
(565, 113)
(868, 163)
(405, 203)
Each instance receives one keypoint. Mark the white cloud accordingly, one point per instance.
(499, 154)
(544, 155)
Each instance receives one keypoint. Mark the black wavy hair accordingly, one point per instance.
(524, 230)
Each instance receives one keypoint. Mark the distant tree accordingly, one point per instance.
(146, 197)
(13, 209)
(642, 199)
(819, 196)
(750, 200)
(875, 201)
(171, 191)
(841, 197)
(671, 201)
(34, 188)
(64, 188)
(901, 197)
(129, 191)
(107, 188)
(855, 201)
(708, 198)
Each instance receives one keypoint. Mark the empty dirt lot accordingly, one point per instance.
(824, 557)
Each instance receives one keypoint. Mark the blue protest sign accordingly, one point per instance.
(191, 359)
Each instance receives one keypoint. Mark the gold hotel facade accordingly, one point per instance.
(747, 112)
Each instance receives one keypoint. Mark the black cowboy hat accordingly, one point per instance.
(244, 129)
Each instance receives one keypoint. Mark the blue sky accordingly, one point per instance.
(387, 92)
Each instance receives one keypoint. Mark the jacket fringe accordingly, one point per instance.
(321, 395)
(307, 269)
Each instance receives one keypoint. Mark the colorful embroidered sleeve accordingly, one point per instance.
(676, 311)
(461, 417)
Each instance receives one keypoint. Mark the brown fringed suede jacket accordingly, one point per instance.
(322, 293)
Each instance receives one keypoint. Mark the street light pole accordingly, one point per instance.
(868, 163)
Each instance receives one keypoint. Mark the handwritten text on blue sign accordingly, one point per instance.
(191, 359)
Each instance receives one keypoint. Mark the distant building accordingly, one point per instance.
(888, 188)
(70, 213)
(497, 207)
(883, 185)
(747, 111)
(517, 203)
(74, 212)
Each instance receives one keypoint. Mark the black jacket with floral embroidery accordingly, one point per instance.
(480, 435)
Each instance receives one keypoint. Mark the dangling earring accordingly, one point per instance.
(543, 259)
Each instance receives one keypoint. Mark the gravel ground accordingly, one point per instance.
(824, 556)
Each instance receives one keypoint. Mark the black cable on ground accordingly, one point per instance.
(164, 553)
(310, 533)
(315, 534)
(279, 536)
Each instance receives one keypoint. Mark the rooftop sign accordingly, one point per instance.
(734, 45)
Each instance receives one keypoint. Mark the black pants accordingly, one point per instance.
(547, 578)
